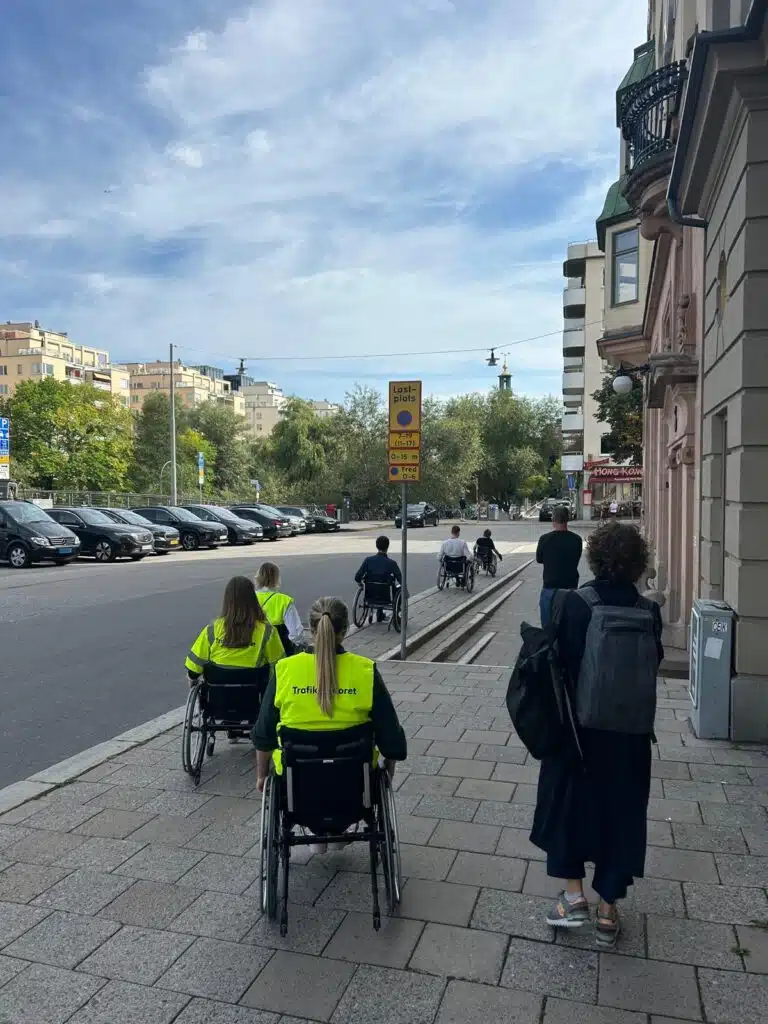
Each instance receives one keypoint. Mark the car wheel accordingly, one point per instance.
(18, 556)
(190, 541)
(104, 551)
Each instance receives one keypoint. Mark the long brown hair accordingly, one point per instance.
(328, 621)
(241, 611)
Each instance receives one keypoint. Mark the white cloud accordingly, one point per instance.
(341, 153)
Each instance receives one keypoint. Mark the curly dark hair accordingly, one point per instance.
(617, 552)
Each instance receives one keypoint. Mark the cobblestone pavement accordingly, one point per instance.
(130, 897)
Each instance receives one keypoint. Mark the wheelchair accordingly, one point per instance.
(373, 597)
(329, 783)
(222, 700)
(487, 561)
(459, 571)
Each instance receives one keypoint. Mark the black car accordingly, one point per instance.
(419, 514)
(166, 538)
(239, 531)
(193, 531)
(28, 534)
(323, 522)
(274, 528)
(549, 506)
(300, 513)
(103, 538)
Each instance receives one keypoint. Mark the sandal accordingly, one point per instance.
(607, 929)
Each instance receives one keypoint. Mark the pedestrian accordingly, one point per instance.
(324, 690)
(462, 507)
(379, 568)
(592, 798)
(280, 609)
(559, 551)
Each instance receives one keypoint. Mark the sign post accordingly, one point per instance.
(5, 448)
(200, 473)
(404, 467)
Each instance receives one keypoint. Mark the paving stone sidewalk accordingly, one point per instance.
(130, 897)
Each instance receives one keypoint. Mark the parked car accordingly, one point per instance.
(239, 531)
(28, 535)
(194, 533)
(323, 522)
(549, 506)
(292, 521)
(300, 513)
(166, 538)
(420, 514)
(274, 528)
(103, 538)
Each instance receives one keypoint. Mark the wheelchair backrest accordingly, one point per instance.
(234, 694)
(378, 595)
(328, 776)
(455, 565)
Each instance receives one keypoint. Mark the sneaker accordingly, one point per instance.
(607, 929)
(568, 914)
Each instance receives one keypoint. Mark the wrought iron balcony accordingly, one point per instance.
(649, 124)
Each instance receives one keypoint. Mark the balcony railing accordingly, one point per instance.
(648, 115)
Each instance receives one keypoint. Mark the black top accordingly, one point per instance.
(388, 734)
(559, 552)
(378, 568)
(486, 544)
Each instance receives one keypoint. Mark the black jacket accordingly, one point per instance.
(378, 568)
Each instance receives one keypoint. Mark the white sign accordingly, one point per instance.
(5, 471)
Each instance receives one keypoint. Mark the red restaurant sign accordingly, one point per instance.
(616, 474)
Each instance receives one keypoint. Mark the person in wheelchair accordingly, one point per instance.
(455, 554)
(379, 568)
(326, 689)
(485, 549)
(241, 638)
(280, 609)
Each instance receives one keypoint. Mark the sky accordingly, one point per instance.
(283, 180)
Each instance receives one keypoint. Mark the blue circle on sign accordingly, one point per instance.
(404, 417)
(394, 470)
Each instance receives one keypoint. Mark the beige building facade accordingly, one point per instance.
(193, 385)
(263, 403)
(694, 125)
(29, 352)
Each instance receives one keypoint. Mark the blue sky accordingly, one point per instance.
(304, 178)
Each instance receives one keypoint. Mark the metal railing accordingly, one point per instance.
(647, 115)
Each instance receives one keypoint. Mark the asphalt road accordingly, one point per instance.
(88, 651)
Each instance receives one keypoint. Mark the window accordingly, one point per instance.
(3, 389)
(20, 369)
(605, 447)
(625, 266)
(3, 371)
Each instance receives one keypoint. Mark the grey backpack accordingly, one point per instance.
(616, 689)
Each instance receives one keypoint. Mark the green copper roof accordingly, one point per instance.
(642, 65)
(615, 208)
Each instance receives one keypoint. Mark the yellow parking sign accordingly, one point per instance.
(405, 405)
(405, 474)
(405, 439)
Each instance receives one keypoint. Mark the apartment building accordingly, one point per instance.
(323, 408)
(582, 367)
(263, 401)
(193, 385)
(29, 352)
(694, 178)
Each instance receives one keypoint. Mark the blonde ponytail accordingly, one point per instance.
(328, 621)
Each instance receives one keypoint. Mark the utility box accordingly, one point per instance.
(711, 657)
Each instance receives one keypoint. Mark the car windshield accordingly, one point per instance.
(288, 511)
(184, 514)
(221, 513)
(93, 517)
(271, 511)
(125, 515)
(24, 512)
(417, 508)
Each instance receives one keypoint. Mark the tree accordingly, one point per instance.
(69, 436)
(624, 415)
(152, 444)
(189, 444)
(226, 431)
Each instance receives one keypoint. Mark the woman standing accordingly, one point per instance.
(279, 609)
(593, 807)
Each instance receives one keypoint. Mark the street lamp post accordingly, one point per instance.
(624, 381)
(160, 484)
(174, 488)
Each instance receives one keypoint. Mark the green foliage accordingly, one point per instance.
(227, 434)
(624, 415)
(153, 444)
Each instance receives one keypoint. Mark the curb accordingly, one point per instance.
(428, 632)
(457, 639)
(477, 648)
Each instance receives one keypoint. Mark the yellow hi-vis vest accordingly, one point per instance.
(296, 695)
(274, 605)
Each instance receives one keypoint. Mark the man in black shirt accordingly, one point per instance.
(559, 552)
(379, 568)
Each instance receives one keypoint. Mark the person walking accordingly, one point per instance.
(379, 568)
(559, 552)
(592, 798)
(279, 608)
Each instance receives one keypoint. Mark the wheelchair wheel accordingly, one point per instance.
(358, 609)
(390, 851)
(469, 581)
(270, 859)
(493, 565)
(442, 577)
(193, 738)
(397, 612)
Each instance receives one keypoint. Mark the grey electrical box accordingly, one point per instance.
(711, 657)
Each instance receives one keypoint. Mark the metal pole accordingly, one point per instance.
(174, 482)
(477, 497)
(404, 571)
